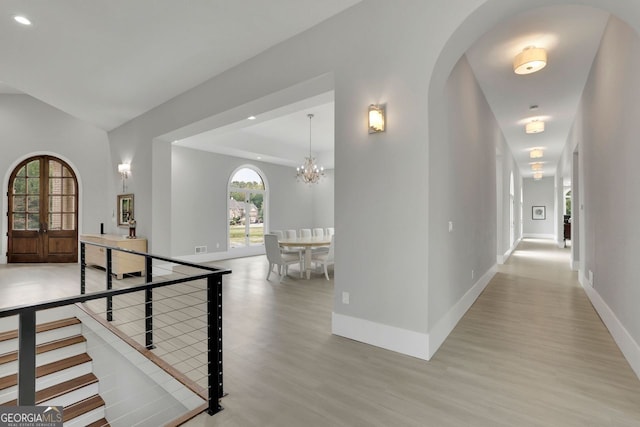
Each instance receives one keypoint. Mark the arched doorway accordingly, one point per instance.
(43, 212)
(247, 204)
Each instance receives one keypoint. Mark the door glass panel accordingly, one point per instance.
(33, 185)
(68, 204)
(68, 186)
(33, 168)
(55, 221)
(68, 222)
(19, 221)
(19, 204)
(20, 186)
(33, 221)
(33, 204)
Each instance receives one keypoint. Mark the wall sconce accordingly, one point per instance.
(376, 118)
(124, 169)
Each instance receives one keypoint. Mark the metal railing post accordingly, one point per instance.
(214, 343)
(83, 268)
(148, 305)
(27, 358)
(109, 286)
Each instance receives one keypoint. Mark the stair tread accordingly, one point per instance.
(72, 411)
(49, 368)
(44, 347)
(43, 327)
(60, 389)
(100, 423)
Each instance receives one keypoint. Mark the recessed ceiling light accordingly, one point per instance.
(259, 158)
(22, 20)
(533, 107)
(251, 118)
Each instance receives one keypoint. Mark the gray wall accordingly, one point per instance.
(463, 187)
(609, 151)
(199, 183)
(30, 127)
(539, 193)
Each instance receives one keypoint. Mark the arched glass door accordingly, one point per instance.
(43, 215)
(247, 204)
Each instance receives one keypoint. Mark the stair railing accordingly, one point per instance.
(211, 275)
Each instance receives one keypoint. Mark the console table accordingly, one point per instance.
(121, 262)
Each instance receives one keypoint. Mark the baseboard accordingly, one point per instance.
(628, 346)
(415, 344)
(538, 236)
(400, 340)
(503, 258)
(445, 325)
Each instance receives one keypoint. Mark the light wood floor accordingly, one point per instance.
(530, 352)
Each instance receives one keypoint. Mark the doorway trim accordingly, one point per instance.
(5, 187)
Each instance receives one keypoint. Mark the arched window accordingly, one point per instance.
(247, 204)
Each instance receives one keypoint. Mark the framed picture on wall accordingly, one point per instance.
(125, 209)
(538, 212)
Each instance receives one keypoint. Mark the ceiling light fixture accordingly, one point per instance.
(309, 172)
(251, 118)
(536, 153)
(22, 20)
(535, 126)
(537, 176)
(530, 60)
(536, 167)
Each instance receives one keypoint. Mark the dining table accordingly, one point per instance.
(308, 244)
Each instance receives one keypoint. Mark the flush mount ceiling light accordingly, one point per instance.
(22, 20)
(537, 176)
(536, 153)
(530, 60)
(535, 126)
(536, 167)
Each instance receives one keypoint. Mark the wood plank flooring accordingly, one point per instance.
(530, 352)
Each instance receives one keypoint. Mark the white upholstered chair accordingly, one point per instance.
(330, 231)
(318, 232)
(325, 259)
(305, 233)
(277, 258)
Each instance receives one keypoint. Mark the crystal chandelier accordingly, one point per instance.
(309, 172)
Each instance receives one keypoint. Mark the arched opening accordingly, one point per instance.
(247, 206)
(43, 212)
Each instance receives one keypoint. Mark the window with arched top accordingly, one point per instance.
(247, 203)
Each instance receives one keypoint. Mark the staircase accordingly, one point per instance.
(63, 372)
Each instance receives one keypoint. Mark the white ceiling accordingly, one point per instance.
(571, 35)
(107, 62)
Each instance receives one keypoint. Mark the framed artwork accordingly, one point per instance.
(538, 212)
(125, 209)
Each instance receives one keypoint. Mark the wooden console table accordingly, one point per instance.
(121, 263)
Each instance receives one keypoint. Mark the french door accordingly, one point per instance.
(43, 212)
(246, 220)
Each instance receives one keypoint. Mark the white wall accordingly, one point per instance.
(609, 179)
(30, 127)
(462, 172)
(539, 193)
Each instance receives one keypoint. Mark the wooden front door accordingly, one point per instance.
(43, 213)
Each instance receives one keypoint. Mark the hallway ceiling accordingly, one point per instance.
(571, 35)
(106, 62)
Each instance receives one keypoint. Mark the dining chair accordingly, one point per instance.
(305, 232)
(277, 258)
(318, 232)
(331, 231)
(291, 234)
(325, 259)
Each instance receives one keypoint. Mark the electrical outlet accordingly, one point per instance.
(591, 278)
(473, 274)
(217, 245)
(450, 226)
(345, 297)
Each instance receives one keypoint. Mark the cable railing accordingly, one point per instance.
(171, 313)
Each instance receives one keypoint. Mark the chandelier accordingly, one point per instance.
(309, 172)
